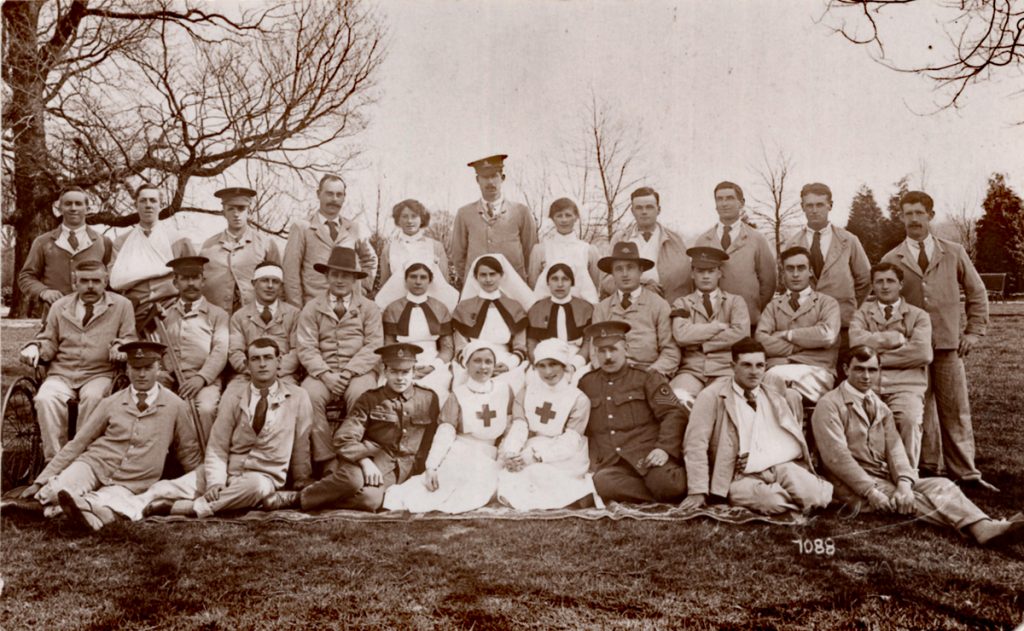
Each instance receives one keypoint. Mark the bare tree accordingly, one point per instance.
(964, 221)
(774, 210)
(985, 37)
(106, 94)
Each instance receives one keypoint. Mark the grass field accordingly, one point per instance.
(884, 574)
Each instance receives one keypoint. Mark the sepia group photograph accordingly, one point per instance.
(514, 314)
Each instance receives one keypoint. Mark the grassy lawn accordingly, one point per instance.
(884, 574)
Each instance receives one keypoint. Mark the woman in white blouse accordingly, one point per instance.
(411, 244)
(563, 246)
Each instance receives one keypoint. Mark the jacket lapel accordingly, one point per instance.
(836, 249)
(937, 254)
(908, 259)
(319, 228)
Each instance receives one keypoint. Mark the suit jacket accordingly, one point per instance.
(814, 327)
(513, 233)
(649, 340)
(905, 367)
(199, 339)
(126, 447)
(49, 266)
(232, 264)
(673, 266)
(309, 243)
(846, 274)
(707, 351)
(751, 270)
(938, 290)
(247, 325)
(855, 450)
(282, 445)
(76, 353)
(711, 444)
(327, 343)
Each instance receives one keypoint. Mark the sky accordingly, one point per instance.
(705, 86)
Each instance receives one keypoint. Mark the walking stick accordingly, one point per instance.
(179, 376)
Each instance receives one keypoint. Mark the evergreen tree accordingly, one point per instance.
(867, 222)
(1001, 233)
(893, 231)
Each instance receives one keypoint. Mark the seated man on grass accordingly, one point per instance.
(121, 451)
(863, 454)
(382, 442)
(262, 431)
(744, 443)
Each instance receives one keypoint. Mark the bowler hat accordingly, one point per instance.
(342, 259)
(624, 251)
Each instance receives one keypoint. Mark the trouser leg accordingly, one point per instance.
(345, 487)
(949, 384)
(686, 387)
(206, 402)
(89, 396)
(621, 483)
(245, 490)
(358, 386)
(667, 483)
(908, 413)
(805, 489)
(51, 403)
(321, 435)
(77, 479)
(761, 493)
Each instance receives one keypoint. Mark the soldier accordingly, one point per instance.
(745, 443)
(864, 456)
(669, 273)
(122, 450)
(197, 334)
(902, 336)
(235, 253)
(261, 433)
(336, 338)
(383, 441)
(46, 274)
(138, 269)
(636, 424)
(935, 271)
(267, 316)
(706, 324)
(800, 330)
(651, 346)
(492, 224)
(81, 339)
(750, 271)
(311, 241)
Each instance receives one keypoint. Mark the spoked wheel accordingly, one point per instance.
(21, 447)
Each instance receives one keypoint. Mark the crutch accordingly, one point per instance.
(176, 367)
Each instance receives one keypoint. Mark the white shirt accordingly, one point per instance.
(859, 397)
(274, 395)
(633, 296)
(929, 247)
(734, 230)
(64, 239)
(346, 300)
(649, 250)
(895, 307)
(826, 239)
(767, 444)
(151, 395)
(804, 295)
(259, 308)
(498, 205)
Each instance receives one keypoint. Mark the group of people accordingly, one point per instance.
(537, 375)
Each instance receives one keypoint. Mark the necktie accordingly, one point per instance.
(869, 408)
(339, 308)
(88, 314)
(888, 312)
(266, 316)
(142, 405)
(73, 241)
(726, 239)
(751, 399)
(794, 300)
(490, 210)
(626, 301)
(186, 307)
(647, 235)
(707, 303)
(817, 260)
(332, 226)
(922, 257)
(261, 411)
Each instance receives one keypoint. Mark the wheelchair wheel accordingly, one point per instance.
(21, 448)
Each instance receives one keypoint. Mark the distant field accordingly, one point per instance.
(884, 574)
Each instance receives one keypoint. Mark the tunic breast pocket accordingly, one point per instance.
(630, 408)
(381, 414)
(421, 421)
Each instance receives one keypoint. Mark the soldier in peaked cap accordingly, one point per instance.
(398, 419)
(235, 252)
(492, 224)
(336, 337)
(705, 325)
(197, 333)
(636, 424)
(121, 450)
(650, 336)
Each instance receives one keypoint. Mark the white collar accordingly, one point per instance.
(928, 242)
(417, 300)
(733, 226)
(562, 301)
(68, 231)
(859, 396)
(272, 391)
(198, 302)
(323, 219)
(346, 300)
(633, 295)
(895, 306)
(490, 295)
(272, 306)
(496, 203)
(804, 294)
(655, 232)
(404, 238)
(827, 228)
(739, 390)
(713, 295)
(480, 388)
(558, 236)
(150, 394)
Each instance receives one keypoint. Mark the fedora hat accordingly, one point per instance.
(342, 259)
(624, 251)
